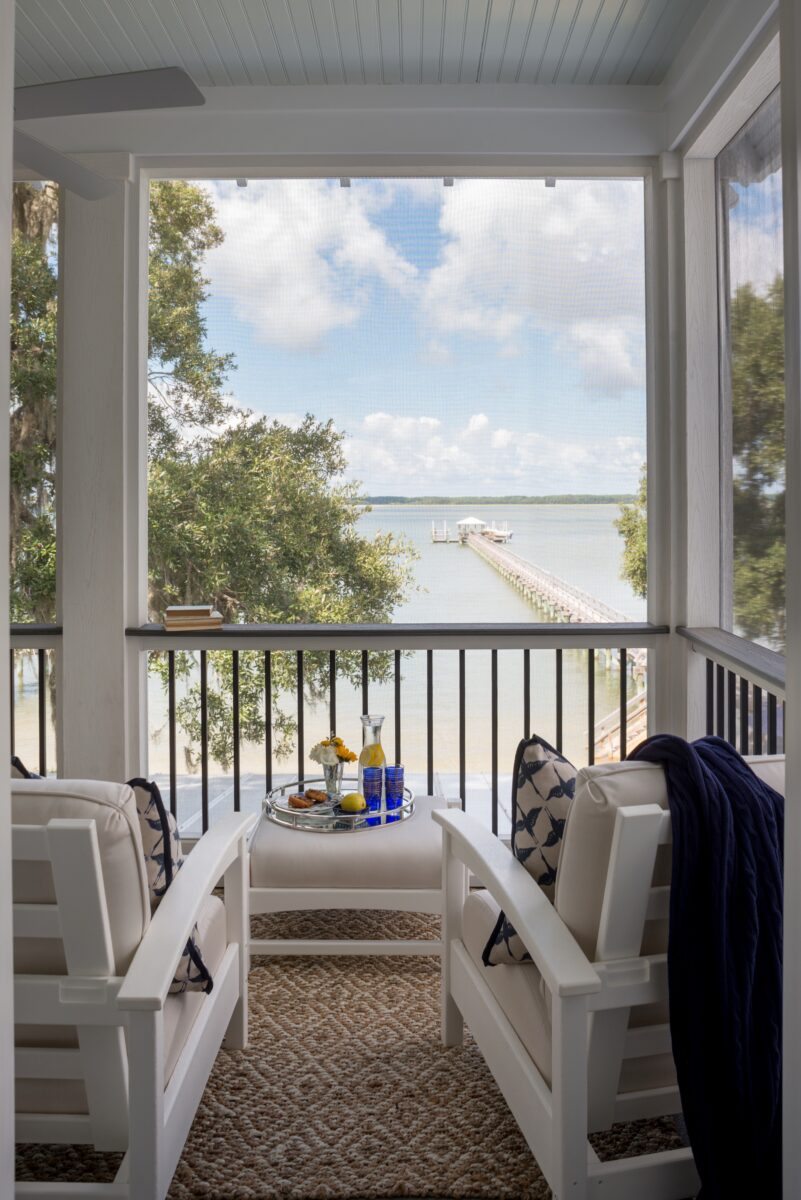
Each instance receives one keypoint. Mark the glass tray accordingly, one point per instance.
(328, 817)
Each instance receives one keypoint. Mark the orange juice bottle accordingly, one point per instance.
(372, 754)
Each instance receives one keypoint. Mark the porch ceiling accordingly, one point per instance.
(275, 42)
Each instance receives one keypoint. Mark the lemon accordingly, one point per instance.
(354, 802)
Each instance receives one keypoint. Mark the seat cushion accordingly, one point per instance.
(525, 1001)
(407, 854)
(180, 1013)
(113, 809)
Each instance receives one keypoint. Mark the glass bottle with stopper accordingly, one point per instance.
(372, 754)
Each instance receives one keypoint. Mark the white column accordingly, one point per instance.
(791, 176)
(6, 992)
(699, 429)
(666, 699)
(101, 481)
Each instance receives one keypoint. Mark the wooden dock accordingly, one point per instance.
(561, 600)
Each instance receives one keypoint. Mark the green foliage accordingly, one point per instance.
(632, 525)
(757, 388)
(186, 377)
(33, 405)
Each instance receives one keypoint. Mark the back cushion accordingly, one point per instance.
(113, 809)
(587, 841)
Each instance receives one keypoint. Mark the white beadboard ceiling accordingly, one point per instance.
(235, 42)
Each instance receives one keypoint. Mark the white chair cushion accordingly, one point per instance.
(180, 1013)
(587, 842)
(113, 809)
(399, 856)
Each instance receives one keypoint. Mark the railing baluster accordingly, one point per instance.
(42, 712)
(757, 720)
(624, 705)
(332, 690)
(268, 721)
(743, 716)
(721, 699)
(301, 748)
(430, 721)
(784, 726)
(204, 741)
(171, 724)
(398, 758)
(710, 697)
(591, 706)
(365, 682)
(559, 701)
(772, 730)
(235, 731)
(732, 707)
(494, 654)
(526, 693)
(11, 698)
(462, 731)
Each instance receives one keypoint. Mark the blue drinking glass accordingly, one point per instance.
(372, 783)
(393, 779)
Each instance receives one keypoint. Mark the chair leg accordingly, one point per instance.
(454, 891)
(237, 912)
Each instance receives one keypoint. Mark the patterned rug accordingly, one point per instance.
(345, 1092)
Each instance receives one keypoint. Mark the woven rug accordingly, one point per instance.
(345, 1091)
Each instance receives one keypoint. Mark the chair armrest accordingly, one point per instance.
(153, 968)
(562, 963)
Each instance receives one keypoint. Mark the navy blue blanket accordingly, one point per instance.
(725, 962)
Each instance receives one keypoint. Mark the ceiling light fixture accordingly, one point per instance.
(241, 183)
(344, 182)
(550, 181)
(447, 181)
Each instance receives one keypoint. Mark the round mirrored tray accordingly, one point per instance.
(328, 816)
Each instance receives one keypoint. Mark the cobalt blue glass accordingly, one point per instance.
(393, 780)
(372, 783)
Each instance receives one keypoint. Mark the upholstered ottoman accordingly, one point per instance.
(395, 867)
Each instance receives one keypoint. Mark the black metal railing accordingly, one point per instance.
(562, 655)
(745, 686)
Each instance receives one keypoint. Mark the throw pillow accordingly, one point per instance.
(163, 859)
(543, 783)
(20, 771)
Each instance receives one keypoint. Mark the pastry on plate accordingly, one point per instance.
(316, 795)
(296, 800)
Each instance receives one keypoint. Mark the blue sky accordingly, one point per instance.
(483, 338)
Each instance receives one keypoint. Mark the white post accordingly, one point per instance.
(700, 426)
(6, 970)
(101, 440)
(791, 184)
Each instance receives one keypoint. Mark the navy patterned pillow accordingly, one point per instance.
(543, 783)
(163, 859)
(20, 771)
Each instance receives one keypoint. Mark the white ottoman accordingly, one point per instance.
(396, 867)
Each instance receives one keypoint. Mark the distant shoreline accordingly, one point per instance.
(475, 501)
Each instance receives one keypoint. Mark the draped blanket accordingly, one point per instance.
(725, 962)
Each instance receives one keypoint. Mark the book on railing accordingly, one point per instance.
(188, 610)
(177, 624)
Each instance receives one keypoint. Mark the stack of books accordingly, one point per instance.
(191, 616)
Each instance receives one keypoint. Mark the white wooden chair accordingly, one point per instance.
(579, 1039)
(104, 1054)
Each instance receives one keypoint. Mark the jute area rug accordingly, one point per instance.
(345, 1092)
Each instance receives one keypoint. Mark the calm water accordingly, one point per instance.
(577, 542)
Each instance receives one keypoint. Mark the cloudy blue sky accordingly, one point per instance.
(485, 338)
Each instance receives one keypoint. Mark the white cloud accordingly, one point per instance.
(566, 261)
(300, 256)
(477, 423)
(418, 456)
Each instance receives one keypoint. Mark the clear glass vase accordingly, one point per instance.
(333, 778)
(372, 754)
